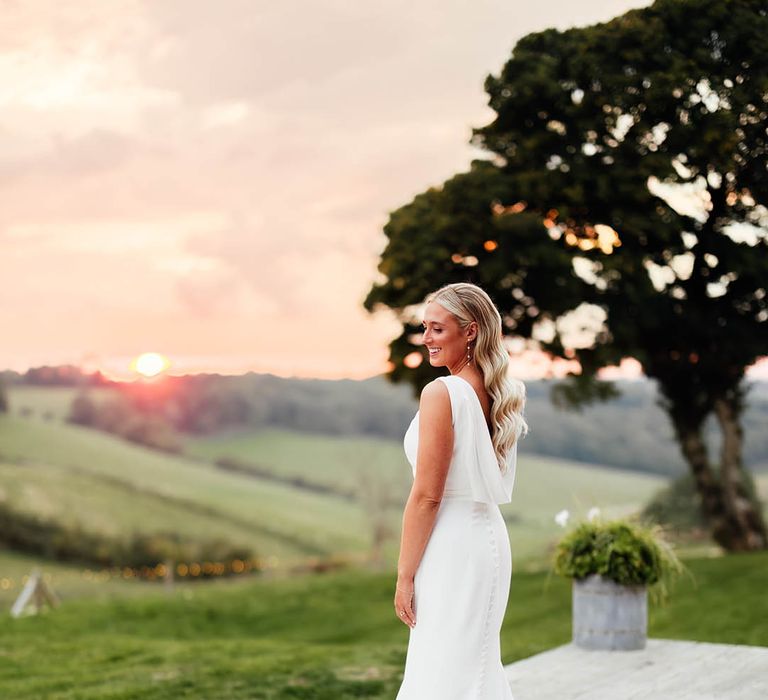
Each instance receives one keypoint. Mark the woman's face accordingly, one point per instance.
(444, 339)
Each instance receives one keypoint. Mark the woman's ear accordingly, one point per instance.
(472, 331)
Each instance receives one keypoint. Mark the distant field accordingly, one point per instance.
(65, 471)
(543, 486)
(54, 401)
(330, 637)
(335, 461)
(86, 469)
(117, 507)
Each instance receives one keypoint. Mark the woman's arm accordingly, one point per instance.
(432, 463)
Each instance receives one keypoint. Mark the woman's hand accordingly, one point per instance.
(404, 602)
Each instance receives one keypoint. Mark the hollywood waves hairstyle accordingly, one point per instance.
(468, 302)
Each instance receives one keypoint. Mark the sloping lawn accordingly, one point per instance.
(331, 636)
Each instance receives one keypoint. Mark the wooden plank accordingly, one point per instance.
(664, 669)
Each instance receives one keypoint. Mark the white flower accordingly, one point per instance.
(562, 518)
(593, 513)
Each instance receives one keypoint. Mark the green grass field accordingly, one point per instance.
(114, 487)
(53, 401)
(273, 637)
(69, 472)
(102, 477)
(336, 461)
(543, 486)
(331, 636)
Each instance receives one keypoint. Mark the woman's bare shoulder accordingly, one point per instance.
(435, 399)
(435, 392)
(435, 409)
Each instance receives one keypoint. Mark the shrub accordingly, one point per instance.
(29, 533)
(626, 552)
(677, 505)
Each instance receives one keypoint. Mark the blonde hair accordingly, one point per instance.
(468, 302)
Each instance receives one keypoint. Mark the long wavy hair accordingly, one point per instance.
(468, 302)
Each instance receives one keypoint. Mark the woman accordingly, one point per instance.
(453, 574)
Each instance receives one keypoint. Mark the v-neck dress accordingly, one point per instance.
(461, 587)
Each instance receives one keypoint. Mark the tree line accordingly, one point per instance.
(629, 432)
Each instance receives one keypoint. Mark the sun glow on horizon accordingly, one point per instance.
(150, 364)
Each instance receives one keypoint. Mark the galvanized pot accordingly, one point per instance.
(608, 615)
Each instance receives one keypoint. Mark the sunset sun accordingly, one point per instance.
(150, 364)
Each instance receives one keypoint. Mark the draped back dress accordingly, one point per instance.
(461, 586)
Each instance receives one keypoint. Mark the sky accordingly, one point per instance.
(210, 179)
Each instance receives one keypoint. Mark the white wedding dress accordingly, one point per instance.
(462, 584)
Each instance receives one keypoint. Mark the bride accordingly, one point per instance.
(455, 564)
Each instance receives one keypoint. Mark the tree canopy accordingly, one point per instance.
(627, 180)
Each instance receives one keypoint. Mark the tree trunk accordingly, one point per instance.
(712, 506)
(734, 518)
(742, 505)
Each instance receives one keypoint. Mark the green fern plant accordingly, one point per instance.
(627, 552)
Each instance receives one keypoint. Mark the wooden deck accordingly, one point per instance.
(665, 670)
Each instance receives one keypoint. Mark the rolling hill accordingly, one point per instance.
(70, 473)
(108, 484)
(629, 432)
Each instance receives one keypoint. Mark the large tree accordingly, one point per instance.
(627, 187)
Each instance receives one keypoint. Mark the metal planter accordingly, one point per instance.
(608, 615)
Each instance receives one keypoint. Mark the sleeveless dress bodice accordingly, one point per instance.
(474, 472)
